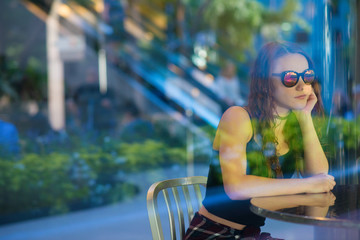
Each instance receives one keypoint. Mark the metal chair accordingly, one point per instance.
(189, 194)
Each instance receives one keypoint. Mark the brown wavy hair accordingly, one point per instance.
(261, 102)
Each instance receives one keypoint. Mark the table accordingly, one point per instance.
(335, 215)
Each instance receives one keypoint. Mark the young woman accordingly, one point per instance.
(271, 147)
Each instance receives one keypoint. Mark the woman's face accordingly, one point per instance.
(294, 97)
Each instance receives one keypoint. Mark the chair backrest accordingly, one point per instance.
(190, 195)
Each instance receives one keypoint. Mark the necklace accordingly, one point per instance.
(283, 118)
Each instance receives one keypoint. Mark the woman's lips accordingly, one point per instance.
(301, 97)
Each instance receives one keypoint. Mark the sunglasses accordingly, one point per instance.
(291, 78)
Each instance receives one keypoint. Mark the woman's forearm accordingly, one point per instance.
(250, 186)
(315, 159)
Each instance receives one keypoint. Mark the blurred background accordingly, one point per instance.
(101, 98)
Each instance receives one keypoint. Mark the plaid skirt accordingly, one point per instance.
(202, 228)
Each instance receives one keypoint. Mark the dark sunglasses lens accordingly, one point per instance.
(290, 79)
(309, 76)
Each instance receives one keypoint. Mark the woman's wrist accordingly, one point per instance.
(306, 185)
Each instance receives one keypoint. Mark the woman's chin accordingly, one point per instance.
(298, 107)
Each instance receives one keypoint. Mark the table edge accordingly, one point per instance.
(316, 221)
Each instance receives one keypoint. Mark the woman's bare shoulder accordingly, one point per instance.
(236, 113)
(235, 121)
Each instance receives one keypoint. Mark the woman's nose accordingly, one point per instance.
(301, 84)
(303, 87)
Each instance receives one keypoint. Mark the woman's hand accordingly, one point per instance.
(312, 99)
(320, 183)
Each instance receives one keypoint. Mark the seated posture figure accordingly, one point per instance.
(270, 147)
(227, 86)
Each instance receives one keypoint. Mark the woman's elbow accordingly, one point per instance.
(236, 193)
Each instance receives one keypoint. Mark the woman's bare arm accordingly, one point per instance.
(234, 132)
(315, 159)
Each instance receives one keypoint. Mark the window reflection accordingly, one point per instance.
(74, 127)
